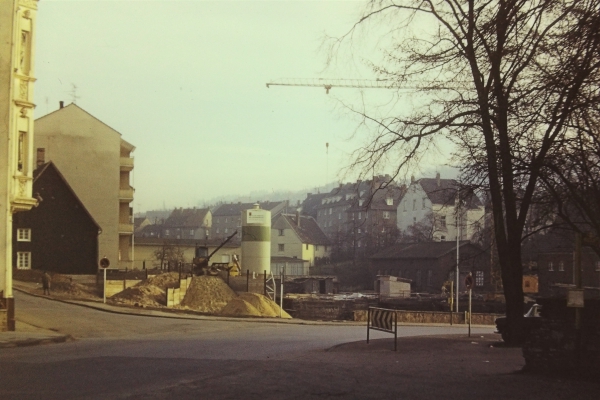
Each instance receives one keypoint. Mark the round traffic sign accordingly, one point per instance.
(104, 262)
(469, 281)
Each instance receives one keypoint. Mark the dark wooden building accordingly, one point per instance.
(429, 264)
(59, 234)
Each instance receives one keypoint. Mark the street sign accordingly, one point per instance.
(104, 262)
(469, 281)
(383, 319)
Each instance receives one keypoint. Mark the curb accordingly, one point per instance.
(35, 342)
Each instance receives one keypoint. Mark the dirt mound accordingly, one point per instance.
(261, 303)
(141, 295)
(72, 289)
(277, 309)
(163, 281)
(209, 294)
(238, 307)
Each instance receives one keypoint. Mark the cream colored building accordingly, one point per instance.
(97, 163)
(17, 44)
(299, 237)
(432, 203)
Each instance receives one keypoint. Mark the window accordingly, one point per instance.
(316, 247)
(423, 205)
(389, 201)
(330, 211)
(359, 215)
(550, 266)
(23, 235)
(414, 204)
(306, 246)
(339, 215)
(561, 266)
(281, 232)
(191, 232)
(226, 230)
(478, 278)
(167, 232)
(442, 221)
(23, 260)
(358, 230)
(386, 215)
(217, 230)
(442, 238)
(404, 203)
(414, 220)
(281, 247)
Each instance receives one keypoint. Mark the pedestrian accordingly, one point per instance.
(46, 280)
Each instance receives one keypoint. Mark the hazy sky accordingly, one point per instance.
(184, 82)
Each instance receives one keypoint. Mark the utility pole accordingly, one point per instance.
(457, 210)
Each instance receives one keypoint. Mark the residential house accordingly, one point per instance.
(429, 264)
(226, 218)
(299, 236)
(311, 203)
(140, 223)
(97, 163)
(59, 234)
(432, 204)
(189, 223)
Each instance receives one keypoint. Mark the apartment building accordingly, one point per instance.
(298, 236)
(97, 163)
(432, 203)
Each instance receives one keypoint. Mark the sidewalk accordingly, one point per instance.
(29, 335)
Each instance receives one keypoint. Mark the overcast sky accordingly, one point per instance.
(184, 82)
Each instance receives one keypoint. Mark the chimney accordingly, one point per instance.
(61, 104)
(412, 179)
(298, 218)
(437, 178)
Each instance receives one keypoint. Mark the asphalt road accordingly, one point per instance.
(137, 357)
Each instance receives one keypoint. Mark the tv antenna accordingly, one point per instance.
(73, 93)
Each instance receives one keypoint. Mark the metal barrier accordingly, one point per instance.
(385, 320)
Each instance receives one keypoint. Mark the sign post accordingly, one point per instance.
(469, 285)
(104, 264)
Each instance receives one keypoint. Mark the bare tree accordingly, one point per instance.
(502, 80)
(169, 253)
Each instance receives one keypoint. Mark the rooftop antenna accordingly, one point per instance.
(73, 93)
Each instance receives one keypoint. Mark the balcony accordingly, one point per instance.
(126, 163)
(126, 195)
(125, 229)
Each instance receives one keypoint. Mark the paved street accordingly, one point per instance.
(128, 356)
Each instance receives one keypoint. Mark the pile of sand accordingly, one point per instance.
(238, 307)
(143, 295)
(163, 281)
(208, 294)
(265, 306)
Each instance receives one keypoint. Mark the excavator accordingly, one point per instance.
(201, 259)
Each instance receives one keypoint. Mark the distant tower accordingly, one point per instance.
(256, 240)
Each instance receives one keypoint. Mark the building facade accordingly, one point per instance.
(430, 208)
(298, 236)
(17, 56)
(227, 218)
(97, 163)
(59, 234)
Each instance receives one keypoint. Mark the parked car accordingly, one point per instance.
(530, 322)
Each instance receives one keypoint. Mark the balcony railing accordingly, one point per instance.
(126, 163)
(125, 228)
(126, 195)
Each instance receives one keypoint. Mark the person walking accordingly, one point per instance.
(46, 280)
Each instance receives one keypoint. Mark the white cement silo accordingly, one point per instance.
(256, 240)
